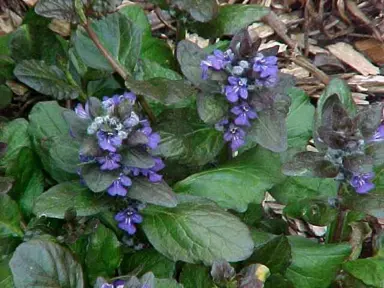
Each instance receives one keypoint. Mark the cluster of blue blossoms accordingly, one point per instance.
(243, 76)
(362, 183)
(114, 131)
(120, 284)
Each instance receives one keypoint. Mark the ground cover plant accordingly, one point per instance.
(139, 157)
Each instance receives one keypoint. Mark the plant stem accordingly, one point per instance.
(118, 68)
(338, 231)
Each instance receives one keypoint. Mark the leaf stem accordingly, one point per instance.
(335, 237)
(117, 67)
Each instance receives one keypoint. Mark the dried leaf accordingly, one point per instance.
(356, 60)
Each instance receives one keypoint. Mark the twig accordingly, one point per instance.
(303, 62)
(116, 66)
(162, 19)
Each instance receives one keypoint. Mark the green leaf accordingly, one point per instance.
(275, 254)
(58, 199)
(6, 280)
(201, 11)
(29, 180)
(10, 217)
(196, 276)
(370, 270)
(159, 51)
(231, 19)
(64, 153)
(34, 40)
(39, 263)
(300, 118)
(294, 189)
(97, 180)
(173, 93)
(152, 69)
(270, 130)
(46, 127)
(315, 212)
(186, 139)
(119, 36)
(148, 260)
(372, 203)
(48, 80)
(341, 89)
(190, 56)
(197, 231)
(137, 15)
(155, 193)
(314, 265)
(5, 96)
(15, 135)
(276, 280)
(212, 108)
(134, 157)
(102, 87)
(58, 9)
(167, 283)
(103, 254)
(6, 184)
(238, 183)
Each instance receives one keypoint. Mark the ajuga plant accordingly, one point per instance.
(116, 145)
(114, 174)
(244, 86)
(347, 144)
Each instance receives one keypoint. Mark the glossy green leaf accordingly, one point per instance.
(201, 11)
(197, 231)
(231, 19)
(314, 265)
(370, 270)
(148, 260)
(103, 254)
(212, 108)
(120, 37)
(48, 80)
(5, 96)
(174, 93)
(300, 118)
(58, 199)
(237, 183)
(186, 139)
(15, 135)
(154, 193)
(10, 217)
(275, 254)
(294, 189)
(46, 128)
(196, 276)
(41, 263)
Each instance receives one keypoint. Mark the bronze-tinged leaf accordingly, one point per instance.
(369, 118)
(358, 163)
(242, 45)
(310, 164)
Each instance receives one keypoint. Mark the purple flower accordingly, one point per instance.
(219, 126)
(235, 135)
(82, 112)
(267, 69)
(362, 182)
(265, 66)
(115, 284)
(379, 134)
(150, 173)
(118, 187)
(84, 158)
(236, 89)
(243, 112)
(109, 162)
(130, 96)
(153, 138)
(217, 61)
(127, 220)
(108, 142)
